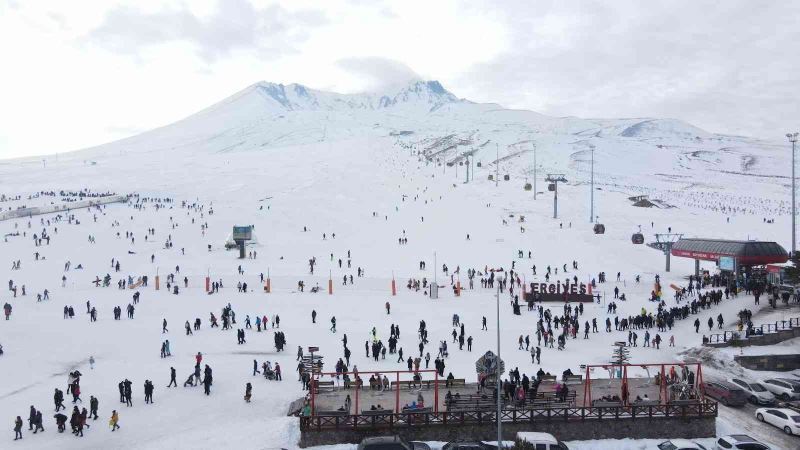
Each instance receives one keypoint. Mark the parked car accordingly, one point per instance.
(463, 446)
(782, 389)
(541, 441)
(784, 418)
(391, 443)
(740, 442)
(680, 444)
(728, 394)
(492, 445)
(758, 394)
(793, 381)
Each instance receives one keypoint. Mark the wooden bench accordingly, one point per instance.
(604, 404)
(646, 403)
(573, 379)
(470, 402)
(334, 412)
(328, 385)
(688, 401)
(402, 384)
(454, 382)
(376, 412)
(427, 409)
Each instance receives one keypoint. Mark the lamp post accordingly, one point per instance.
(534, 171)
(793, 139)
(497, 375)
(591, 196)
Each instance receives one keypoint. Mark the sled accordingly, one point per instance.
(135, 285)
(675, 287)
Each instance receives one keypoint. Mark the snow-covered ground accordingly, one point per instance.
(349, 172)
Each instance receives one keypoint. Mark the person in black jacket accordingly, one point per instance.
(61, 421)
(94, 404)
(58, 399)
(31, 418)
(18, 428)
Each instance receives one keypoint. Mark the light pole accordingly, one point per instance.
(591, 196)
(793, 139)
(496, 164)
(497, 375)
(534, 171)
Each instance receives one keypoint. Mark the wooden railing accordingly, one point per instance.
(410, 419)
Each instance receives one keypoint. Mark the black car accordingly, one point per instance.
(391, 443)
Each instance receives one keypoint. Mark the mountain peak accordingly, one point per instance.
(428, 95)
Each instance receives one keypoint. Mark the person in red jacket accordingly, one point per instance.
(76, 393)
(198, 358)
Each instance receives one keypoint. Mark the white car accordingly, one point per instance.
(757, 393)
(543, 441)
(784, 418)
(740, 442)
(680, 444)
(782, 389)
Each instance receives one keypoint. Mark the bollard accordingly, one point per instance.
(208, 284)
(458, 288)
(267, 287)
(158, 284)
(330, 286)
(394, 287)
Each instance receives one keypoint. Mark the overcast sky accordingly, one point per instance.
(76, 74)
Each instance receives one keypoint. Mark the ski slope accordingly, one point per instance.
(370, 171)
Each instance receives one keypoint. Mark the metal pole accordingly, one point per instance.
(534, 171)
(496, 165)
(555, 200)
(497, 375)
(591, 211)
(793, 139)
(473, 167)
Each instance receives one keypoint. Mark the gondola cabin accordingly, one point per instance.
(637, 238)
(551, 187)
(599, 228)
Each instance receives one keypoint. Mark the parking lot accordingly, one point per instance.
(745, 419)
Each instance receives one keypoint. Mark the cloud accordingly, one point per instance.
(376, 73)
(724, 67)
(235, 25)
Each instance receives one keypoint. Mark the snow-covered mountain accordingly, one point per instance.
(655, 156)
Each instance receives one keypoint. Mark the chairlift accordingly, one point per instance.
(528, 187)
(506, 177)
(551, 187)
(479, 164)
(491, 177)
(599, 228)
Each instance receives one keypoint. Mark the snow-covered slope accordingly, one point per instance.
(372, 172)
(659, 157)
